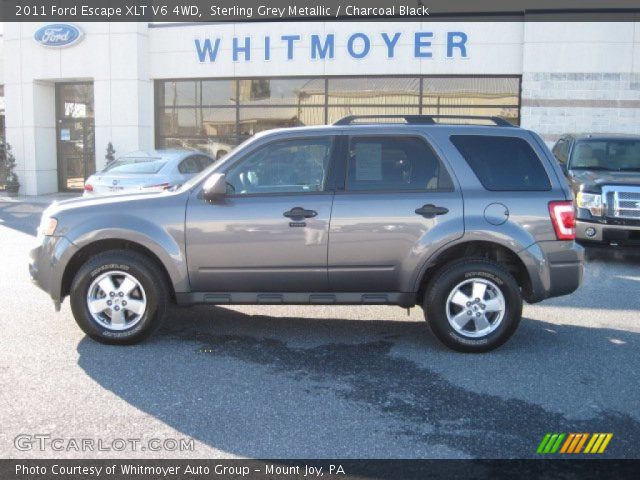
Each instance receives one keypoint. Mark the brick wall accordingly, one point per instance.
(557, 103)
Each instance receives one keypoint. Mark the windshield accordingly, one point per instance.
(617, 155)
(136, 165)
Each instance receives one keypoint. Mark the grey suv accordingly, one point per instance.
(463, 220)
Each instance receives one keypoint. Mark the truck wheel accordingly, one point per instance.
(119, 297)
(473, 305)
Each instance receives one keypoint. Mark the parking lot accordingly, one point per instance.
(318, 382)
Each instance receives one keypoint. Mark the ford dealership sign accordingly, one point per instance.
(58, 35)
(357, 45)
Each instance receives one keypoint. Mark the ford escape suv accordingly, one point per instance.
(463, 220)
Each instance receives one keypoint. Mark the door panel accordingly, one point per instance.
(246, 244)
(270, 232)
(377, 240)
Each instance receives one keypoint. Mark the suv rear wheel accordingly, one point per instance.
(119, 297)
(473, 305)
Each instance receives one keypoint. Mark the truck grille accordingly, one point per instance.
(622, 202)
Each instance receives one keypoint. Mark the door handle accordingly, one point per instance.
(429, 210)
(299, 212)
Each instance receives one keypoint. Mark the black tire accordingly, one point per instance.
(445, 282)
(142, 269)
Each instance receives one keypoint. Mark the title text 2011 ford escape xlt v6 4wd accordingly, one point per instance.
(464, 220)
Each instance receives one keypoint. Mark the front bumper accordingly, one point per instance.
(607, 232)
(47, 261)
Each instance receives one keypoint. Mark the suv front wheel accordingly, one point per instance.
(473, 305)
(119, 297)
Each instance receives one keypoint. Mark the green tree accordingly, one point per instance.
(7, 165)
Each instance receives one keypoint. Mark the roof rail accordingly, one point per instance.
(424, 119)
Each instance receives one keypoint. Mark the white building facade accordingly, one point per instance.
(140, 86)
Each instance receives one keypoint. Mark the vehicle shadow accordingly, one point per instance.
(286, 387)
(613, 254)
(611, 276)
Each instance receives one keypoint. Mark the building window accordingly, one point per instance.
(75, 100)
(215, 115)
(480, 96)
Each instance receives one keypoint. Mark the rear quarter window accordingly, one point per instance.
(503, 163)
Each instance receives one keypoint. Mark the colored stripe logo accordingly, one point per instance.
(573, 443)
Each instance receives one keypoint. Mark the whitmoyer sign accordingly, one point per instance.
(356, 45)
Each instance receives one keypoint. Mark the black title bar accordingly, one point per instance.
(315, 469)
(317, 10)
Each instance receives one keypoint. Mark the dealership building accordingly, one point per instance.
(71, 89)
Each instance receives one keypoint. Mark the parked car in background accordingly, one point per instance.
(603, 171)
(147, 171)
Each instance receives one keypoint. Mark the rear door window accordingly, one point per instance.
(503, 163)
(380, 163)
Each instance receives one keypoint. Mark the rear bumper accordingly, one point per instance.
(566, 277)
(555, 268)
(607, 233)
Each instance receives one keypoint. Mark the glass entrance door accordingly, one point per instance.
(75, 134)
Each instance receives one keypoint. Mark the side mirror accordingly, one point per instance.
(215, 186)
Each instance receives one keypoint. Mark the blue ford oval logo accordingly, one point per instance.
(58, 35)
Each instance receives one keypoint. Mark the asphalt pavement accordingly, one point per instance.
(315, 382)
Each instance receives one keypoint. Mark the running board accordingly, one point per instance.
(401, 299)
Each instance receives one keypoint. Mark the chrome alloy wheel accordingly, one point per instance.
(116, 300)
(475, 307)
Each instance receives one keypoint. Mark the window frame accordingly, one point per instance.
(344, 160)
(328, 183)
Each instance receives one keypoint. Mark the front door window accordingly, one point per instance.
(289, 166)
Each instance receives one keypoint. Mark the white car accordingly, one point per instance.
(147, 171)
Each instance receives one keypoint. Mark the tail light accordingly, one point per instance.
(159, 186)
(88, 187)
(564, 219)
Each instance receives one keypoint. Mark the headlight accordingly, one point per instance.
(590, 201)
(47, 226)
